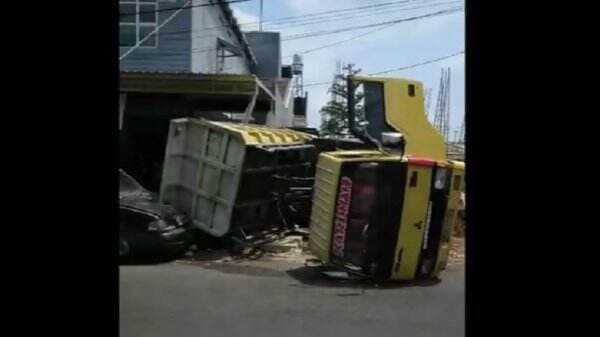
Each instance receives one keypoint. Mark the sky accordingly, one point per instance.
(395, 46)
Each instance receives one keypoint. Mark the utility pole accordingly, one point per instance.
(351, 71)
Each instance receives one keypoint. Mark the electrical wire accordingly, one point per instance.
(395, 69)
(352, 38)
(362, 15)
(418, 64)
(340, 41)
(337, 11)
(342, 30)
(340, 13)
(286, 20)
(347, 29)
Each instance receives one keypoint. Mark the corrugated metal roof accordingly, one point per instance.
(153, 72)
(187, 82)
(186, 74)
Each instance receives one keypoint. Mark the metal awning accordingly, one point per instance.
(225, 86)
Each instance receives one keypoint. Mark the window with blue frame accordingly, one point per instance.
(137, 19)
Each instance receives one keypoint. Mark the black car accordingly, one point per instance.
(147, 226)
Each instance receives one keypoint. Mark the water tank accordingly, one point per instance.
(297, 65)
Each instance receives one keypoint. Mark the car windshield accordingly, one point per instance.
(128, 184)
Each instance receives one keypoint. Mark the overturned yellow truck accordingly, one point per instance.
(386, 212)
(384, 209)
(384, 216)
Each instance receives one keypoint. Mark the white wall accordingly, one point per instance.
(204, 41)
(300, 121)
(282, 116)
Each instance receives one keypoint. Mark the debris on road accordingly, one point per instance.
(285, 245)
(280, 253)
(457, 251)
(283, 255)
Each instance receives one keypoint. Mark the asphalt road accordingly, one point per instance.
(176, 299)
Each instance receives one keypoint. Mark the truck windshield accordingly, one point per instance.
(370, 107)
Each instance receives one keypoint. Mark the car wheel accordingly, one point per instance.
(123, 248)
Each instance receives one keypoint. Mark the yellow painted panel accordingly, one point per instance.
(361, 155)
(457, 172)
(262, 135)
(326, 185)
(323, 208)
(412, 225)
(406, 114)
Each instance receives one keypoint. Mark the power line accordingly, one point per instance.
(396, 69)
(417, 64)
(346, 29)
(337, 11)
(319, 33)
(360, 15)
(341, 41)
(313, 17)
(186, 7)
(328, 32)
(352, 38)
(300, 18)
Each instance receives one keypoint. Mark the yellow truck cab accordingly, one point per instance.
(388, 212)
(380, 215)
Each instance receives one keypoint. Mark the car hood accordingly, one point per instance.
(147, 203)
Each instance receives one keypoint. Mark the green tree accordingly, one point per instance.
(335, 113)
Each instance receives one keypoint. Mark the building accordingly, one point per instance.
(201, 38)
(182, 58)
